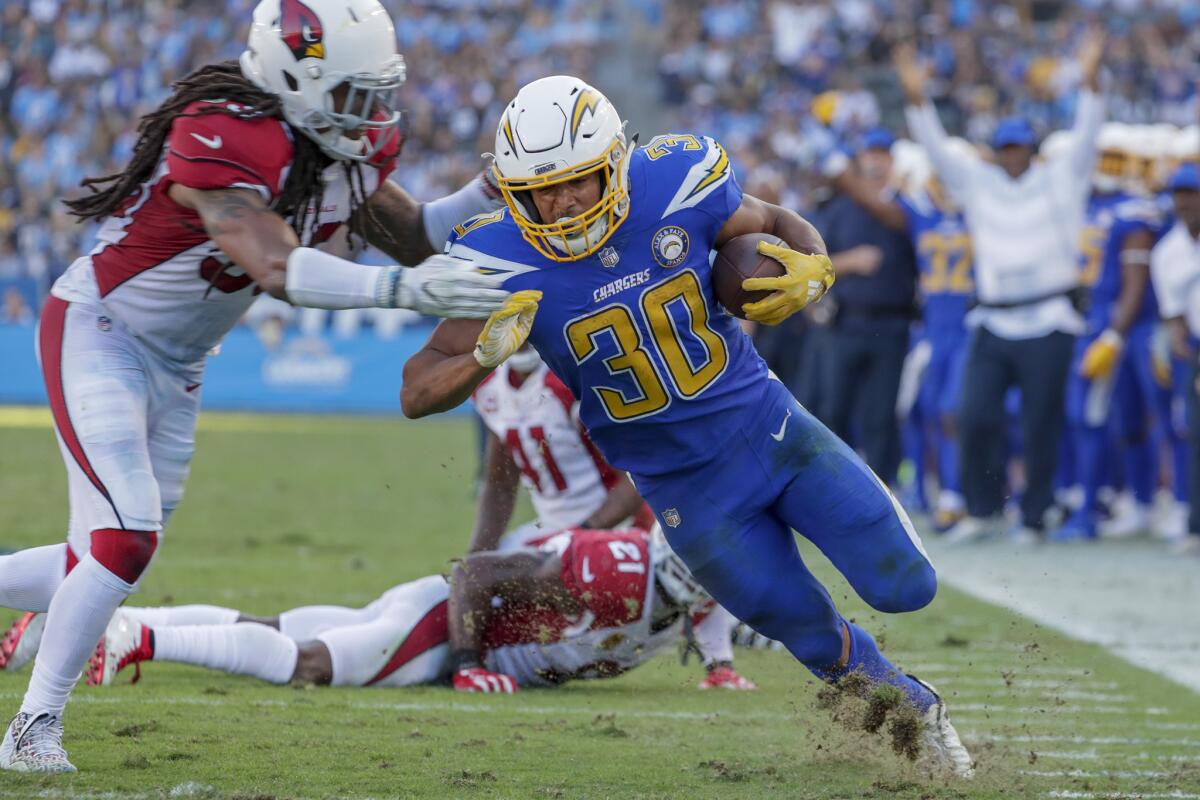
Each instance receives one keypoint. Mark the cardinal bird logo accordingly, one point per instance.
(301, 30)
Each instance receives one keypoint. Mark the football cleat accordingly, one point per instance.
(125, 641)
(724, 676)
(33, 743)
(20, 642)
(1079, 528)
(972, 529)
(946, 518)
(1129, 518)
(943, 752)
(483, 681)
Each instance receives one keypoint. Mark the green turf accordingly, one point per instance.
(336, 511)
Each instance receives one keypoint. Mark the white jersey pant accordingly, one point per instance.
(401, 639)
(125, 419)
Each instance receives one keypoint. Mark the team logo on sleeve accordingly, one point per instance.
(301, 30)
(670, 246)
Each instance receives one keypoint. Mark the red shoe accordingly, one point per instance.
(124, 642)
(724, 676)
(21, 641)
(480, 680)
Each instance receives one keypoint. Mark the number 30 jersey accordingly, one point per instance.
(663, 374)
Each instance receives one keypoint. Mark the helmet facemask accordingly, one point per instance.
(1112, 170)
(571, 238)
(368, 109)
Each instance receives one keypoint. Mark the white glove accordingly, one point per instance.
(443, 286)
(507, 329)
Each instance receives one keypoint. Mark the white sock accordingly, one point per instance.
(714, 635)
(77, 617)
(307, 622)
(164, 616)
(246, 648)
(29, 578)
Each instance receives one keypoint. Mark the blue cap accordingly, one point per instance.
(876, 139)
(1013, 131)
(1187, 178)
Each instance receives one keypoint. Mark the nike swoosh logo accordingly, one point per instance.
(779, 436)
(586, 572)
(214, 142)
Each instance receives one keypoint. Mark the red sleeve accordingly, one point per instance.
(220, 151)
(606, 571)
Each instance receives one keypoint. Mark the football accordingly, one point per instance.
(737, 260)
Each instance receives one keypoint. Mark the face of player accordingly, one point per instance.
(1187, 208)
(876, 164)
(567, 199)
(364, 105)
(1014, 159)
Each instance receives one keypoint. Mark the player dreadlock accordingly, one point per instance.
(302, 191)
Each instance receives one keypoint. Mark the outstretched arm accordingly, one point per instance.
(409, 231)
(497, 496)
(443, 373)
(262, 243)
(953, 168)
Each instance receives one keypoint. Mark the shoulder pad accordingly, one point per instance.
(697, 166)
(494, 242)
(217, 149)
(1137, 209)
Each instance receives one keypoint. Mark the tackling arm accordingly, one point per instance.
(497, 496)
(392, 220)
(523, 577)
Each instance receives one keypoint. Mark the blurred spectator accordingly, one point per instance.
(1025, 220)
(16, 309)
(1175, 272)
(875, 295)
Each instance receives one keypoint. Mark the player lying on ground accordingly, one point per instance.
(617, 243)
(535, 438)
(581, 604)
(234, 182)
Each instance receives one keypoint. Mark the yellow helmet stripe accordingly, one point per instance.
(508, 134)
(715, 173)
(587, 100)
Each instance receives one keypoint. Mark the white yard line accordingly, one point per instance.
(1074, 795)
(1086, 591)
(982, 736)
(1126, 774)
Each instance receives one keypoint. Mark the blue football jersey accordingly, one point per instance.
(943, 249)
(1110, 219)
(663, 373)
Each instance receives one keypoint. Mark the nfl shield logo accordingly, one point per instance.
(609, 257)
(671, 517)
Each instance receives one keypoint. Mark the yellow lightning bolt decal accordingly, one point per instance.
(587, 101)
(715, 173)
(508, 134)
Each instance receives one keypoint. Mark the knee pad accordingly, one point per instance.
(124, 553)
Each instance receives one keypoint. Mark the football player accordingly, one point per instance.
(535, 437)
(923, 210)
(1112, 388)
(235, 181)
(617, 240)
(577, 604)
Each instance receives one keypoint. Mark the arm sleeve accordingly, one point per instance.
(1089, 116)
(952, 168)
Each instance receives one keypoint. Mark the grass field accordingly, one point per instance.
(286, 511)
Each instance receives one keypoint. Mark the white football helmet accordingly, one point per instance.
(558, 129)
(304, 50)
(1115, 144)
(676, 580)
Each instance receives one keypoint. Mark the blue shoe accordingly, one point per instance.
(1076, 529)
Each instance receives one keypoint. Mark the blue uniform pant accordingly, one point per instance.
(941, 391)
(731, 521)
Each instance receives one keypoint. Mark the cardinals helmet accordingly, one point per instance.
(334, 66)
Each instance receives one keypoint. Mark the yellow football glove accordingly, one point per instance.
(507, 328)
(806, 280)
(1102, 355)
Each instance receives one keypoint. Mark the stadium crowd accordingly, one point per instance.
(780, 84)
